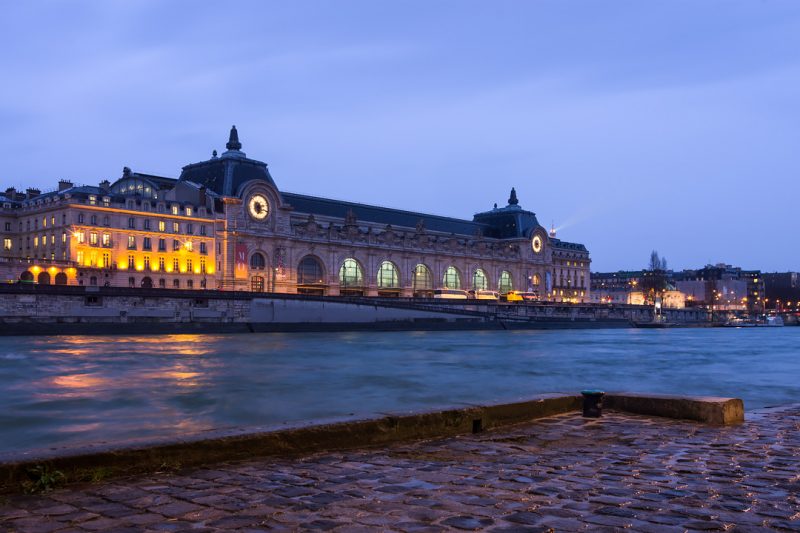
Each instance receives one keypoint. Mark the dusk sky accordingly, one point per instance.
(631, 126)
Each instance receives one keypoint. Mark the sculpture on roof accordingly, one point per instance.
(512, 200)
(233, 140)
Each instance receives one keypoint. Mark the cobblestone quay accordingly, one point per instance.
(563, 473)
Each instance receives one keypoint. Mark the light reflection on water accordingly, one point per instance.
(66, 390)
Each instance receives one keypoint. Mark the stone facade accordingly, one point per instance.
(224, 224)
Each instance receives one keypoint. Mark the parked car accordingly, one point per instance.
(453, 294)
(518, 296)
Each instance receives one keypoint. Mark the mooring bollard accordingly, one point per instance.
(592, 403)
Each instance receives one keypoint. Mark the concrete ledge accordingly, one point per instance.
(710, 410)
(108, 460)
(104, 460)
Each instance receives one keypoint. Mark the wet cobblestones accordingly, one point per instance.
(564, 473)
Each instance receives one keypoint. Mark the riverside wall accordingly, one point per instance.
(65, 309)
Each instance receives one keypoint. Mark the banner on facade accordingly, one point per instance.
(241, 260)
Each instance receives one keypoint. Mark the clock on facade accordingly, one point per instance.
(536, 244)
(258, 206)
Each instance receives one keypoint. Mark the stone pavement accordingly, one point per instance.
(563, 473)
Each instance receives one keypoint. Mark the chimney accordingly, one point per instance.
(105, 186)
(63, 185)
(32, 193)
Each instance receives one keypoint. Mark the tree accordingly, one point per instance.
(654, 278)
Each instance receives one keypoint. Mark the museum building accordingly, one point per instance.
(224, 224)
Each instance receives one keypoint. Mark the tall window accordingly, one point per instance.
(505, 284)
(146, 243)
(161, 264)
(93, 238)
(162, 226)
(387, 276)
(132, 223)
(162, 245)
(106, 260)
(309, 271)
(106, 239)
(6, 244)
(479, 280)
(422, 280)
(452, 279)
(93, 220)
(350, 274)
(147, 262)
(176, 227)
(175, 266)
(80, 237)
(257, 261)
(203, 248)
(131, 261)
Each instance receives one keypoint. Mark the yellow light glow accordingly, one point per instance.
(87, 262)
(52, 270)
(154, 268)
(122, 265)
(183, 270)
(36, 269)
(168, 268)
(71, 271)
(210, 270)
(197, 270)
(139, 267)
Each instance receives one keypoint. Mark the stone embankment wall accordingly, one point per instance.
(23, 309)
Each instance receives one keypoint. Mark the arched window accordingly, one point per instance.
(93, 281)
(387, 276)
(44, 278)
(257, 261)
(190, 284)
(479, 280)
(351, 275)
(505, 284)
(422, 280)
(26, 276)
(147, 282)
(309, 271)
(536, 280)
(452, 279)
(61, 279)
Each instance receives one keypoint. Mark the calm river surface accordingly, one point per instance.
(68, 390)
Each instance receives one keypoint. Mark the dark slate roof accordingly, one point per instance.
(225, 175)
(381, 215)
(508, 222)
(161, 181)
(564, 245)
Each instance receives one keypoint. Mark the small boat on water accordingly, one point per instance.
(771, 322)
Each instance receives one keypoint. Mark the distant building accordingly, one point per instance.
(224, 224)
(782, 290)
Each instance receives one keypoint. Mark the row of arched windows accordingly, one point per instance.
(351, 275)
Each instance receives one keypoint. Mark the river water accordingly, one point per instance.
(67, 390)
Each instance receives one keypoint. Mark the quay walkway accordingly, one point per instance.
(561, 473)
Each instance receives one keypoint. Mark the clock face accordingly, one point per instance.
(536, 244)
(258, 206)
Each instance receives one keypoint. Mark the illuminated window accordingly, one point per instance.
(36, 242)
(106, 239)
(452, 279)
(176, 227)
(188, 211)
(106, 260)
(189, 245)
(44, 222)
(174, 209)
(350, 274)
(387, 276)
(257, 284)
(92, 199)
(131, 242)
(536, 280)
(175, 266)
(422, 280)
(505, 284)
(257, 261)
(479, 280)
(131, 261)
(189, 265)
(162, 226)
(79, 257)
(64, 237)
(53, 220)
(6, 244)
(80, 237)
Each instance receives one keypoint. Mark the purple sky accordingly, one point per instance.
(633, 126)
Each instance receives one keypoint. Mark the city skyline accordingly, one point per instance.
(630, 127)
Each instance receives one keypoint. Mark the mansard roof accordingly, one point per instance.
(564, 245)
(227, 173)
(381, 215)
